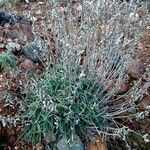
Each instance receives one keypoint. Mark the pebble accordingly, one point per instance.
(39, 146)
(39, 12)
(134, 17)
(26, 65)
(13, 45)
(136, 69)
(144, 103)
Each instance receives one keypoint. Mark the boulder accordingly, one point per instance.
(136, 69)
(13, 19)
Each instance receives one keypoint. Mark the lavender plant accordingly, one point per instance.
(7, 60)
(66, 99)
(5, 3)
(95, 41)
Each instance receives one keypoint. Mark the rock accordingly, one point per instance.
(16, 148)
(39, 71)
(39, 146)
(21, 32)
(8, 40)
(12, 33)
(134, 17)
(136, 69)
(10, 135)
(142, 51)
(2, 50)
(10, 132)
(51, 138)
(22, 145)
(79, 8)
(99, 144)
(123, 88)
(1, 38)
(39, 12)
(26, 65)
(34, 19)
(74, 144)
(145, 103)
(13, 19)
(11, 140)
(109, 84)
(27, 1)
(49, 148)
(13, 46)
(2, 47)
(40, 3)
(62, 144)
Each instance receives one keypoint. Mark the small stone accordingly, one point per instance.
(144, 103)
(2, 45)
(39, 71)
(2, 50)
(61, 9)
(79, 8)
(39, 12)
(27, 1)
(123, 88)
(40, 3)
(49, 27)
(34, 19)
(13, 46)
(51, 138)
(26, 65)
(1, 39)
(11, 140)
(21, 32)
(62, 144)
(74, 144)
(98, 144)
(39, 146)
(134, 17)
(108, 85)
(136, 69)
(10, 132)
(16, 147)
(8, 40)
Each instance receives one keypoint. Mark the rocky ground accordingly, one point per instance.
(16, 36)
